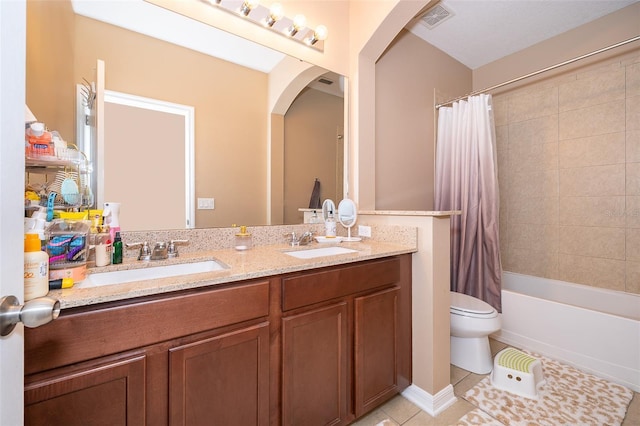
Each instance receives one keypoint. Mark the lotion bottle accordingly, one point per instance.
(36, 268)
(330, 225)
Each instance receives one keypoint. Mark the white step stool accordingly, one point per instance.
(515, 371)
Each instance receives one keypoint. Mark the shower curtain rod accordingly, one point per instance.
(595, 52)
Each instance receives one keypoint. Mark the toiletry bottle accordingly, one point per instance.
(36, 268)
(243, 239)
(117, 249)
(330, 225)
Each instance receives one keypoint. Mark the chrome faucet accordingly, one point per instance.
(160, 251)
(301, 240)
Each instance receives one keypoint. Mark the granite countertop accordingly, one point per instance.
(261, 261)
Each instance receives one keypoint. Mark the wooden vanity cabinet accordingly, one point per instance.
(346, 340)
(178, 359)
(316, 347)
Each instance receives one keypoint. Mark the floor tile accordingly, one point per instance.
(457, 374)
(400, 409)
(376, 418)
(633, 412)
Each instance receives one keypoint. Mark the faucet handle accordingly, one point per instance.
(145, 251)
(172, 251)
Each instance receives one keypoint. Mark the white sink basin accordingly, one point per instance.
(154, 272)
(319, 252)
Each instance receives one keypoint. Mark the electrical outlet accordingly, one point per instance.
(206, 203)
(364, 231)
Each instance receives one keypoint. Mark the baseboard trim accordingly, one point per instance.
(431, 404)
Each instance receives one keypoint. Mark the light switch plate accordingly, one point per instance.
(206, 203)
(364, 231)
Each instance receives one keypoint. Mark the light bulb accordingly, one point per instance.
(276, 12)
(320, 33)
(299, 21)
(248, 6)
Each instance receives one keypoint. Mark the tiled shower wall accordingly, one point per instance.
(569, 173)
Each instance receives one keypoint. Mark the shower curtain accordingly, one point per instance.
(467, 180)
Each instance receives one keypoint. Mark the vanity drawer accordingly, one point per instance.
(307, 289)
(85, 334)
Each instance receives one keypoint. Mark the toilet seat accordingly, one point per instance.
(469, 306)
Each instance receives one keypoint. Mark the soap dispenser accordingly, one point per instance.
(243, 239)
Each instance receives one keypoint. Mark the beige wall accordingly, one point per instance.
(312, 149)
(404, 124)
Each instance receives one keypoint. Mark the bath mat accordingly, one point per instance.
(569, 397)
(477, 417)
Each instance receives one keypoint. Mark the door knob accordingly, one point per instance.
(33, 313)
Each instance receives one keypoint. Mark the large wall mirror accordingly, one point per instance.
(256, 153)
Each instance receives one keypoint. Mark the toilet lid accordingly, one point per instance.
(463, 304)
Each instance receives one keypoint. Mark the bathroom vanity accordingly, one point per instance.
(313, 343)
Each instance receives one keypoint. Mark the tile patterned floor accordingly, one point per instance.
(399, 411)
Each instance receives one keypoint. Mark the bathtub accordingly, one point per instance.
(595, 330)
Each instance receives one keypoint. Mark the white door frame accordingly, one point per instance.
(13, 27)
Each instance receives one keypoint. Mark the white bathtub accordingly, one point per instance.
(595, 330)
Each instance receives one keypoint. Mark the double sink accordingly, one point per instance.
(156, 272)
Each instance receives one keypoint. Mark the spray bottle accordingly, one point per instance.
(111, 217)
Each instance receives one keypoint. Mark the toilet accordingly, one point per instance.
(472, 321)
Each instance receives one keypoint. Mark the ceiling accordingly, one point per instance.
(476, 32)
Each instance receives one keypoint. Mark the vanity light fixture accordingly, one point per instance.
(320, 33)
(248, 6)
(276, 13)
(273, 18)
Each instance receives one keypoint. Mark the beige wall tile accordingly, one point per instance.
(592, 181)
(633, 244)
(502, 138)
(592, 151)
(633, 179)
(632, 211)
(633, 146)
(538, 238)
(540, 264)
(536, 131)
(592, 211)
(592, 241)
(537, 104)
(633, 79)
(593, 120)
(500, 110)
(597, 272)
(537, 184)
(594, 89)
(527, 158)
(534, 210)
(633, 113)
(633, 277)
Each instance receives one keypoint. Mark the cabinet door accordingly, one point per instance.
(223, 380)
(376, 349)
(314, 366)
(107, 394)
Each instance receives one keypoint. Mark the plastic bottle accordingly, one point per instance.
(330, 225)
(36, 268)
(117, 249)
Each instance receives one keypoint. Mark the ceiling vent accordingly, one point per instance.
(324, 80)
(435, 16)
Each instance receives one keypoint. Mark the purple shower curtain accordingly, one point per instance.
(467, 180)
